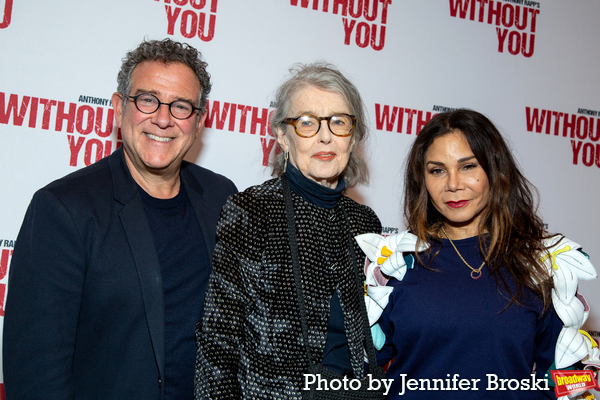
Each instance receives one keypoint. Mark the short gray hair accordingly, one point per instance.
(166, 51)
(326, 77)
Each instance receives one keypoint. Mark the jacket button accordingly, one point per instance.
(159, 382)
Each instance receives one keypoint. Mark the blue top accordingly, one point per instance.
(442, 323)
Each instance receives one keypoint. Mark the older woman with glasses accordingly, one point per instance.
(285, 300)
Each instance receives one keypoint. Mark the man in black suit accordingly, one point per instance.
(108, 275)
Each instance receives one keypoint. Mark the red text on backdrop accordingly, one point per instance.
(515, 24)
(360, 17)
(406, 120)
(7, 14)
(218, 116)
(94, 126)
(191, 18)
(582, 128)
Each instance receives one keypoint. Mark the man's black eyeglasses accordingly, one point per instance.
(149, 103)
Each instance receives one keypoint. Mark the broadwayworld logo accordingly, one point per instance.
(572, 382)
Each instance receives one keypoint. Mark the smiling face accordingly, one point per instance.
(156, 143)
(324, 156)
(457, 184)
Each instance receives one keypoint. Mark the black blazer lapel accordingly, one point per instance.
(137, 230)
(203, 208)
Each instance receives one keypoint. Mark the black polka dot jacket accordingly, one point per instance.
(250, 342)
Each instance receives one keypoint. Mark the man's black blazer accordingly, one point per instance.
(84, 312)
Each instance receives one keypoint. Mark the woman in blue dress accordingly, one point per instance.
(476, 310)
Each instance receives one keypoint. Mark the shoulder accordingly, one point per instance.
(260, 196)
(362, 215)
(357, 208)
(248, 213)
(72, 201)
(89, 183)
(269, 188)
(206, 178)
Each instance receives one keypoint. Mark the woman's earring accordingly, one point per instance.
(285, 160)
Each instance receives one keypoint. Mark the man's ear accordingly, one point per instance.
(117, 103)
(201, 120)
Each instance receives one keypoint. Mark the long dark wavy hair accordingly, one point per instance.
(516, 232)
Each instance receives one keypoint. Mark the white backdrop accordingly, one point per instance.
(531, 66)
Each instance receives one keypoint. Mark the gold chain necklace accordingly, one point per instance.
(477, 271)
